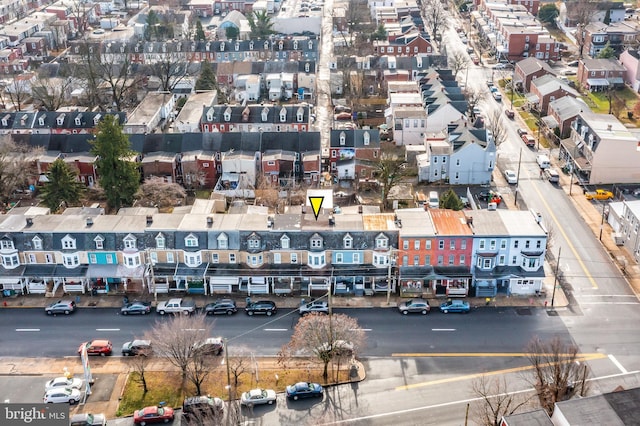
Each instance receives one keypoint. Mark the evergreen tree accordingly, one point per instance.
(118, 177)
(260, 24)
(62, 186)
(231, 33)
(199, 36)
(548, 13)
(207, 79)
(607, 52)
(450, 200)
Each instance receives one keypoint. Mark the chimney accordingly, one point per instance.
(149, 220)
(270, 222)
(360, 209)
(304, 209)
(89, 222)
(29, 221)
(209, 221)
(469, 220)
(609, 127)
(332, 220)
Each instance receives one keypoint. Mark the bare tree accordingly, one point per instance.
(198, 370)
(495, 401)
(494, 125)
(158, 193)
(557, 374)
(170, 69)
(17, 167)
(326, 337)
(458, 62)
(435, 18)
(239, 365)
(139, 365)
(582, 13)
(51, 92)
(176, 339)
(474, 96)
(389, 170)
(19, 89)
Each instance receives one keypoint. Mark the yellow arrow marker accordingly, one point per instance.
(316, 205)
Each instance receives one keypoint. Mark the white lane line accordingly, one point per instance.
(27, 329)
(107, 329)
(276, 329)
(606, 295)
(609, 303)
(443, 329)
(617, 364)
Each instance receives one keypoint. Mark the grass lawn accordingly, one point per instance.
(203, 194)
(599, 103)
(165, 385)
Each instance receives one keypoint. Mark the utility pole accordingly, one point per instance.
(515, 198)
(389, 276)
(602, 221)
(555, 277)
(226, 361)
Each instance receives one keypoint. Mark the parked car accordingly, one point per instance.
(221, 307)
(599, 194)
(414, 306)
(200, 410)
(153, 414)
(343, 116)
(509, 113)
(572, 64)
(258, 397)
(60, 307)
(88, 419)
(261, 307)
(137, 347)
(497, 96)
(522, 131)
(97, 347)
(459, 306)
(552, 175)
(210, 346)
(340, 348)
(304, 390)
(318, 306)
(62, 395)
(63, 382)
(500, 66)
(488, 195)
(136, 308)
(510, 177)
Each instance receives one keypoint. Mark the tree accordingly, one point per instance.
(326, 337)
(19, 90)
(435, 18)
(458, 62)
(495, 400)
(474, 96)
(169, 68)
(62, 186)
(158, 193)
(607, 52)
(494, 125)
(176, 340)
(380, 34)
(557, 374)
(50, 92)
(139, 365)
(207, 79)
(16, 167)
(199, 35)
(198, 370)
(389, 170)
(548, 13)
(231, 32)
(450, 200)
(582, 12)
(260, 24)
(118, 177)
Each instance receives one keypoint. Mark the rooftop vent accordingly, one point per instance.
(149, 220)
(29, 221)
(332, 220)
(89, 222)
(270, 222)
(209, 222)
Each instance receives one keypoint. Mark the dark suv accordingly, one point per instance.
(201, 410)
(221, 307)
(137, 347)
(261, 307)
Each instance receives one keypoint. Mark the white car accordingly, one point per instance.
(258, 397)
(63, 382)
(510, 176)
(62, 395)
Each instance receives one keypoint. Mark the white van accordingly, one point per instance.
(434, 200)
(543, 161)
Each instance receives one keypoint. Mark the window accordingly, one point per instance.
(68, 243)
(170, 257)
(215, 258)
(452, 259)
(503, 244)
(154, 257)
(514, 259)
(356, 258)
(316, 241)
(316, 260)
(339, 258)
(254, 242)
(255, 260)
(452, 244)
(380, 260)
(405, 245)
(37, 243)
(427, 245)
(294, 257)
(440, 244)
(10, 261)
(492, 244)
(232, 258)
(515, 244)
(277, 258)
(192, 259)
(48, 258)
(223, 241)
(382, 241)
(538, 244)
(70, 260)
(6, 244)
(462, 259)
(427, 260)
(160, 241)
(416, 245)
(32, 258)
(99, 240)
(440, 260)
(526, 244)
(191, 241)
(131, 260)
(416, 260)
(348, 241)
(129, 242)
(284, 242)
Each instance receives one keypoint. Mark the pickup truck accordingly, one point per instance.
(599, 194)
(176, 306)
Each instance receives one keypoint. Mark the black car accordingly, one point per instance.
(61, 307)
(136, 308)
(199, 410)
(221, 307)
(261, 307)
(137, 347)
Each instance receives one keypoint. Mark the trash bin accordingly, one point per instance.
(77, 299)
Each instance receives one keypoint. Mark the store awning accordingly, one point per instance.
(597, 82)
(102, 271)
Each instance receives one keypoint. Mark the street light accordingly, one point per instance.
(390, 262)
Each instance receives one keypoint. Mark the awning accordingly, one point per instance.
(534, 99)
(40, 271)
(184, 270)
(616, 80)
(164, 269)
(10, 273)
(77, 272)
(597, 82)
(230, 177)
(102, 271)
(550, 122)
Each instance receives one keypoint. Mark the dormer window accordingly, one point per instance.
(78, 120)
(99, 240)
(307, 67)
(237, 46)
(36, 242)
(191, 241)
(96, 119)
(161, 241)
(300, 115)
(382, 241)
(130, 242)
(265, 114)
(366, 138)
(227, 114)
(222, 46)
(285, 242)
(251, 45)
(316, 241)
(150, 47)
(68, 242)
(223, 241)
(310, 45)
(266, 45)
(295, 44)
(253, 242)
(122, 49)
(283, 115)
(41, 121)
(207, 46)
(137, 48)
(348, 241)
(343, 138)
(210, 114)
(280, 45)
(60, 120)
(6, 244)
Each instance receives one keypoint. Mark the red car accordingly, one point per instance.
(153, 414)
(97, 347)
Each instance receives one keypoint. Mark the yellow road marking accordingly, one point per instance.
(479, 354)
(586, 357)
(571, 247)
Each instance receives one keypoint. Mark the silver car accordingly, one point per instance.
(258, 397)
(419, 306)
(63, 382)
(62, 395)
